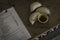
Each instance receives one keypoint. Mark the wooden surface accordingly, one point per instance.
(23, 9)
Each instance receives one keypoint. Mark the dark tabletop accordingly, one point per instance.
(23, 9)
